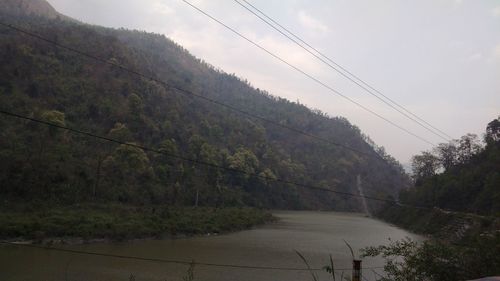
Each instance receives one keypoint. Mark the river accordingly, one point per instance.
(314, 234)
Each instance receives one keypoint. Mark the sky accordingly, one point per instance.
(440, 59)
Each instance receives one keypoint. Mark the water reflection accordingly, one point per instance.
(314, 234)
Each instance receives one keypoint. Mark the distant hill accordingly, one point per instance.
(53, 84)
(28, 7)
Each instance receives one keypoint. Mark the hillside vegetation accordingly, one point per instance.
(42, 164)
(457, 184)
(462, 175)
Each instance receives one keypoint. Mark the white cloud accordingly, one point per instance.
(496, 11)
(496, 52)
(474, 57)
(456, 44)
(457, 3)
(290, 52)
(161, 8)
(447, 74)
(312, 23)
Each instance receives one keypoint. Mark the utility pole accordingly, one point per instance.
(356, 270)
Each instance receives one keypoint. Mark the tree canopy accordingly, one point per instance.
(65, 88)
(462, 175)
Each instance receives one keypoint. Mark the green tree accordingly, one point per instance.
(128, 173)
(468, 146)
(135, 105)
(493, 132)
(267, 177)
(433, 260)
(54, 117)
(244, 160)
(120, 132)
(447, 154)
(424, 166)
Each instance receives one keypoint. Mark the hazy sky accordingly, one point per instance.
(438, 58)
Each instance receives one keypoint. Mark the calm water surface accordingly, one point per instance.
(314, 234)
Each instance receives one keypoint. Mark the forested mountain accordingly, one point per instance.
(38, 163)
(30, 7)
(458, 186)
(462, 175)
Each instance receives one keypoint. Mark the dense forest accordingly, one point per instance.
(456, 189)
(43, 164)
(55, 183)
(462, 175)
(456, 186)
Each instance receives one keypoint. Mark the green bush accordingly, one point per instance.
(122, 222)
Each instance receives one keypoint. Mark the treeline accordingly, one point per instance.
(39, 163)
(456, 181)
(462, 175)
(81, 222)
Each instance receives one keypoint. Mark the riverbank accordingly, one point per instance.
(314, 234)
(440, 224)
(461, 246)
(115, 222)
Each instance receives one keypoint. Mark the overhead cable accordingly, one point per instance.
(199, 162)
(184, 91)
(342, 71)
(171, 261)
(311, 77)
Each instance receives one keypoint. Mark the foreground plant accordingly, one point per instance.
(407, 260)
(328, 268)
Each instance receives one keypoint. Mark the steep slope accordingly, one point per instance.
(60, 86)
(28, 7)
(470, 185)
(465, 195)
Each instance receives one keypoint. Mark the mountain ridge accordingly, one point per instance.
(29, 7)
(61, 86)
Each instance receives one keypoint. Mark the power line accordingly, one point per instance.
(199, 162)
(171, 261)
(196, 95)
(183, 91)
(306, 74)
(189, 160)
(338, 68)
(187, 92)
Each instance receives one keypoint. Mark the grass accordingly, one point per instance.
(123, 222)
